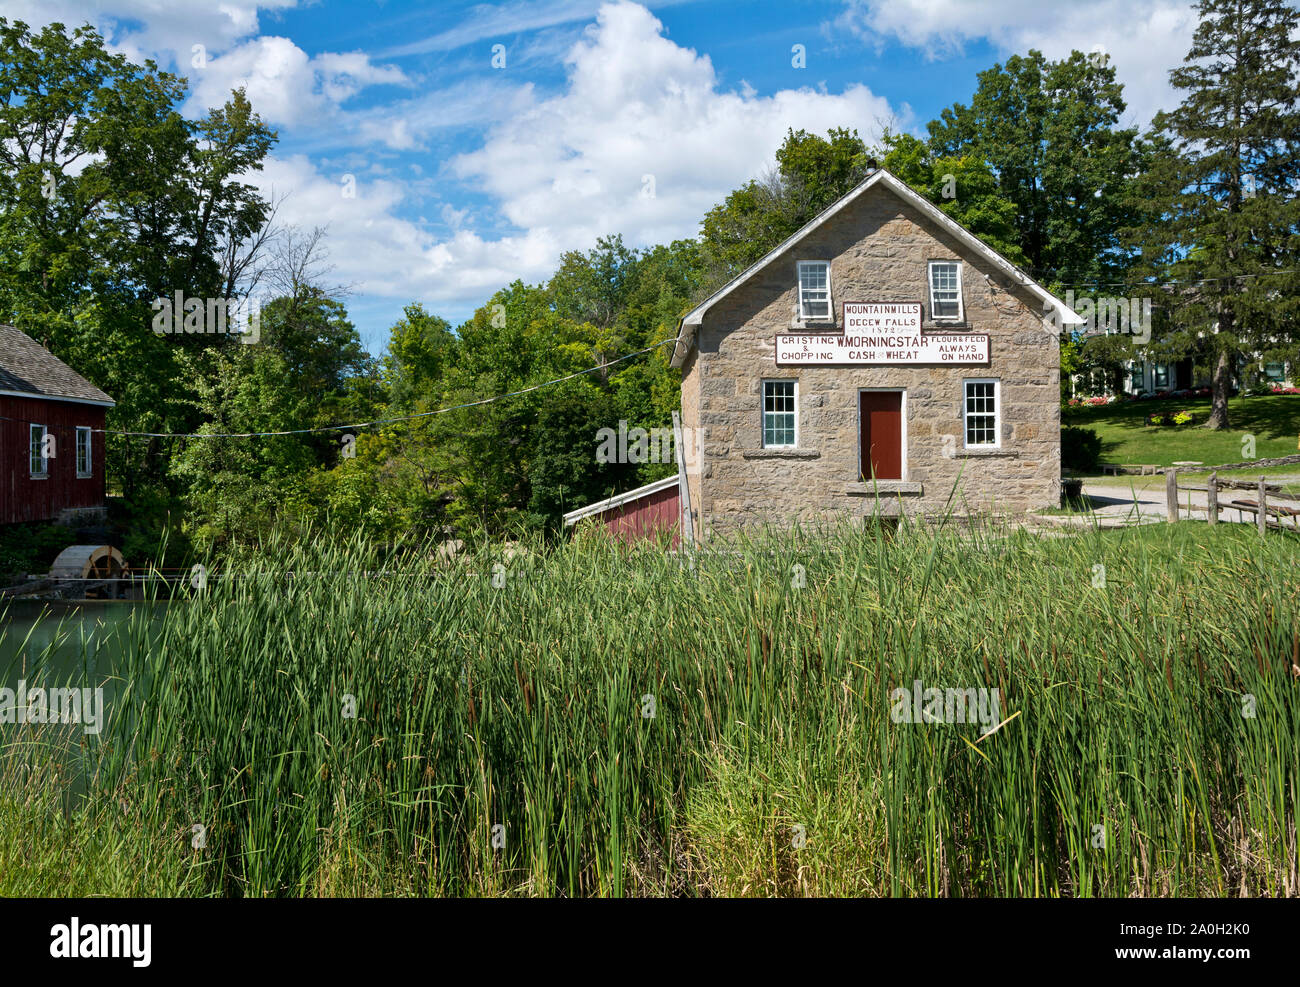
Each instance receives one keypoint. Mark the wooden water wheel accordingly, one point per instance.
(91, 562)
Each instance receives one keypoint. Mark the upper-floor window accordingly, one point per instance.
(945, 290)
(36, 450)
(778, 413)
(84, 460)
(980, 409)
(815, 290)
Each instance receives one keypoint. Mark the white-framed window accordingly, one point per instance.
(1162, 375)
(981, 413)
(85, 461)
(945, 291)
(779, 403)
(36, 460)
(1138, 376)
(815, 290)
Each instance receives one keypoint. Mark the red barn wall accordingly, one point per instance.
(646, 516)
(25, 499)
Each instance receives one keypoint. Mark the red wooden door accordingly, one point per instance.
(882, 434)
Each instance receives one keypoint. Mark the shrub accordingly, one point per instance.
(1170, 418)
(1080, 449)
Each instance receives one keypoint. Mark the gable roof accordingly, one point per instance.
(29, 370)
(686, 333)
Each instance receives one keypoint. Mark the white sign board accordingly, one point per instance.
(877, 317)
(881, 334)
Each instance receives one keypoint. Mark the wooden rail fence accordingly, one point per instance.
(1287, 514)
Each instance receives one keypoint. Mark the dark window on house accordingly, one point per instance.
(778, 413)
(36, 450)
(981, 412)
(84, 460)
(1162, 375)
(945, 291)
(815, 290)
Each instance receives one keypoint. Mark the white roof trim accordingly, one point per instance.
(57, 397)
(619, 500)
(686, 332)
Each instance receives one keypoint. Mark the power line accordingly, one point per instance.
(359, 425)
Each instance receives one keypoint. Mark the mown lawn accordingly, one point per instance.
(1126, 438)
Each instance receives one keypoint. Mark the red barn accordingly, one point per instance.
(638, 514)
(51, 434)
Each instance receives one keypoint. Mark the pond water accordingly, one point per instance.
(72, 647)
(77, 642)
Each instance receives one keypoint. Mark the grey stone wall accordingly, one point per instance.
(878, 247)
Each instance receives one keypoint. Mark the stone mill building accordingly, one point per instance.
(881, 360)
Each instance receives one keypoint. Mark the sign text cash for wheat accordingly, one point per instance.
(881, 334)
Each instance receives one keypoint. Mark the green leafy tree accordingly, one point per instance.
(109, 199)
(421, 347)
(1225, 179)
(1049, 131)
(565, 473)
(812, 172)
(963, 187)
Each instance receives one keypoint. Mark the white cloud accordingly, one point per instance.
(148, 28)
(286, 85)
(375, 250)
(217, 46)
(640, 114)
(505, 20)
(566, 168)
(1144, 38)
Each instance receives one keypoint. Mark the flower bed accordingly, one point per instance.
(1190, 392)
(1166, 418)
(1094, 402)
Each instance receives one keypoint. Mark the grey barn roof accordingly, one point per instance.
(28, 369)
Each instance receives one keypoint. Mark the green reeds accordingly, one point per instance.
(595, 720)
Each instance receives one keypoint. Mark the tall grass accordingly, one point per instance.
(502, 741)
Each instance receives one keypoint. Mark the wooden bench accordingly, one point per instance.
(1247, 504)
(1115, 469)
(1280, 511)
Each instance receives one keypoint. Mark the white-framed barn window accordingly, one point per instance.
(815, 290)
(982, 413)
(36, 460)
(945, 291)
(85, 461)
(779, 414)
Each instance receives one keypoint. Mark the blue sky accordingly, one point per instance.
(444, 167)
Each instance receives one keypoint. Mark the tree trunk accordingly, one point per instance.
(1117, 380)
(1219, 398)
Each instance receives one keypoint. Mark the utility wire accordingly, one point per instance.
(357, 425)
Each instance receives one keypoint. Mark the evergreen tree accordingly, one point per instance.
(1230, 171)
